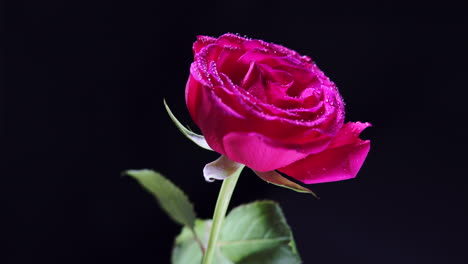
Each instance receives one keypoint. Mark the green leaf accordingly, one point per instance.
(278, 255)
(277, 179)
(251, 231)
(186, 249)
(256, 233)
(172, 200)
(197, 139)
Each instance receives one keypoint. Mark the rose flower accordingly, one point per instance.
(268, 107)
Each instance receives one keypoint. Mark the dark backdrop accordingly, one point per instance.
(82, 101)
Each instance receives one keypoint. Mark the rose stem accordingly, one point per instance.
(222, 204)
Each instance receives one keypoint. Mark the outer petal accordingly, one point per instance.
(214, 118)
(193, 95)
(202, 41)
(258, 152)
(340, 161)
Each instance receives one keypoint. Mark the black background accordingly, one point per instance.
(82, 101)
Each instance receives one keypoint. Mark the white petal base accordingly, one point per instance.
(220, 169)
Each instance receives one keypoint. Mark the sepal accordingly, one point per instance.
(275, 178)
(194, 137)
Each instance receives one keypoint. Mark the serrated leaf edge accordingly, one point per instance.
(158, 198)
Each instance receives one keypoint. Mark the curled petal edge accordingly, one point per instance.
(341, 161)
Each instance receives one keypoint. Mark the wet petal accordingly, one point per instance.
(340, 161)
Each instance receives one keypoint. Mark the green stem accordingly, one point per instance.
(222, 204)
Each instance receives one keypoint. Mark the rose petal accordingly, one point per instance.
(342, 160)
(230, 40)
(348, 134)
(193, 94)
(211, 114)
(202, 41)
(253, 82)
(227, 64)
(258, 152)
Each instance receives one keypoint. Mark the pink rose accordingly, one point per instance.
(268, 107)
